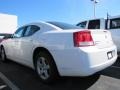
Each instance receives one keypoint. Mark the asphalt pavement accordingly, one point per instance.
(3, 85)
(14, 76)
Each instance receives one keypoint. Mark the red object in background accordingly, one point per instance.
(1, 40)
(4, 36)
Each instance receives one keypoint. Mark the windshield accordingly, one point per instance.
(64, 25)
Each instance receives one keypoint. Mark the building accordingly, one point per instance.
(8, 23)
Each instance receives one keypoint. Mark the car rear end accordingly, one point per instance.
(96, 51)
(83, 52)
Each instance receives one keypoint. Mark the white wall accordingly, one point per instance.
(8, 23)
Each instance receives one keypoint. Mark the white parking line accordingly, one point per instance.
(2, 87)
(115, 67)
(8, 82)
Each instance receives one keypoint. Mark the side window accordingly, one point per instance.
(27, 31)
(115, 23)
(94, 24)
(31, 30)
(19, 32)
(82, 24)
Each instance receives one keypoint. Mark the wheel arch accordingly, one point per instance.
(36, 50)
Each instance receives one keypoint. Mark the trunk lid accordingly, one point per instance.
(102, 38)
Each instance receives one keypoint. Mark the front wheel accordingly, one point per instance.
(45, 67)
(3, 55)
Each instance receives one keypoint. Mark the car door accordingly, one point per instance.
(26, 44)
(114, 28)
(16, 44)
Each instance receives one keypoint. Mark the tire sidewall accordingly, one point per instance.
(3, 52)
(52, 71)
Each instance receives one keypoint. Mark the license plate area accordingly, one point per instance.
(110, 54)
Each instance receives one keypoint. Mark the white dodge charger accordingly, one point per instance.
(55, 48)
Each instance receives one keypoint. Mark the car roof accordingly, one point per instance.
(57, 26)
(91, 19)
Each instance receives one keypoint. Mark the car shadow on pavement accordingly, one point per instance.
(76, 83)
(26, 79)
(112, 71)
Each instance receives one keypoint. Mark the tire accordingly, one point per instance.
(45, 67)
(3, 55)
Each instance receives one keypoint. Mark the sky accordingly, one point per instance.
(69, 11)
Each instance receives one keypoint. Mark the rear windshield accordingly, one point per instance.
(82, 24)
(64, 25)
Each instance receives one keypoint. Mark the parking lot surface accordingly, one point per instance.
(18, 77)
(4, 86)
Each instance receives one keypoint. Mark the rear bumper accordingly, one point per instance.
(96, 68)
(84, 61)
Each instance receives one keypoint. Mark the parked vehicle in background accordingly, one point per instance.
(4, 36)
(56, 48)
(112, 24)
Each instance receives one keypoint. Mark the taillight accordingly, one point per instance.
(83, 38)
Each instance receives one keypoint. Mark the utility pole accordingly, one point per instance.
(94, 4)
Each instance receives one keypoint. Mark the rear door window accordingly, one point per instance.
(31, 30)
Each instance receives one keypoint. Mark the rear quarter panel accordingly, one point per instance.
(58, 43)
(57, 40)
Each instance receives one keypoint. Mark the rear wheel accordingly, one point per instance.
(45, 67)
(3, 55)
